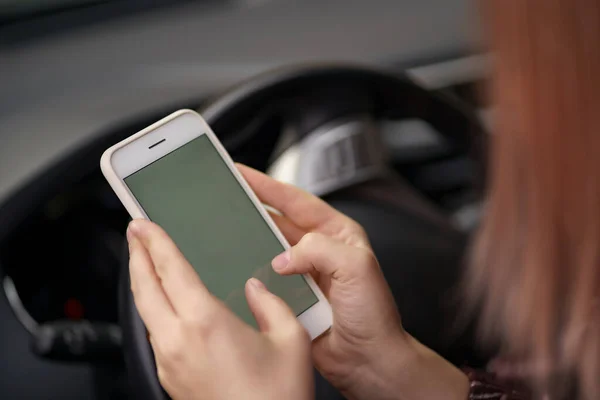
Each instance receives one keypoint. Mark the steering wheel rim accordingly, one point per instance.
(392, 96)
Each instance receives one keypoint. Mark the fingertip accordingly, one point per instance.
(281, 262)
(135, 247)
(244, 169)
(270, 311)
(134, 228)
(254, 291)
(139, 228)
(131, 240)
(250, 290)
(256, 284)
(147, 233)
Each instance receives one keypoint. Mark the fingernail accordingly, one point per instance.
(280, 262)
(257, 284)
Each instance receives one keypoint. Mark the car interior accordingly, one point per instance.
(375, 106)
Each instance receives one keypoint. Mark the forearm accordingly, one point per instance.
(409, 371)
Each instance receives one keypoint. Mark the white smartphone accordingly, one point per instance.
(177, 174)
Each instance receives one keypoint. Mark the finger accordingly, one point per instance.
(320, 253)
(303, 209)
(160, 368)
(150, 299)
(271, 312)
(181, 283)
(292, 233)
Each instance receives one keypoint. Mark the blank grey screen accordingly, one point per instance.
(193, 195)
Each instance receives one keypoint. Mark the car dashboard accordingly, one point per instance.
(64, 261)
(64, 254)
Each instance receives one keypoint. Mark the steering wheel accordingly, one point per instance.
(248, 120)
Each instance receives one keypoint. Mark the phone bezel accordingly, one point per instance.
(175, 130)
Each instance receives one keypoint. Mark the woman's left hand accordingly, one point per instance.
(202, 349)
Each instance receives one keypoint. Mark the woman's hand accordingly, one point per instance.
(204, 351)
(367, 354)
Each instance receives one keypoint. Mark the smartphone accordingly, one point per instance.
(177, 174)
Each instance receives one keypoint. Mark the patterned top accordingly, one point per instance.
(486, 386)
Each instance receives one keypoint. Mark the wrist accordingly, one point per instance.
(405, 369)
(432, 377)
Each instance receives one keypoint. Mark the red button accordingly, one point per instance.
(73, 309)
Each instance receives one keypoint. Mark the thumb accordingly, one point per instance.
(316, 252)
(271, 312)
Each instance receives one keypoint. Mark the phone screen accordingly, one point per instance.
(193, 195)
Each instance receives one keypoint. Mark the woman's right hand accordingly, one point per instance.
(366, 354)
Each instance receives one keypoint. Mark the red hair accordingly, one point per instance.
(535, 271)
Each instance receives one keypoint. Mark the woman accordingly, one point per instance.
(536, 268)
(535, 275)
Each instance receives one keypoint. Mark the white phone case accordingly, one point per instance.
(317, 319)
